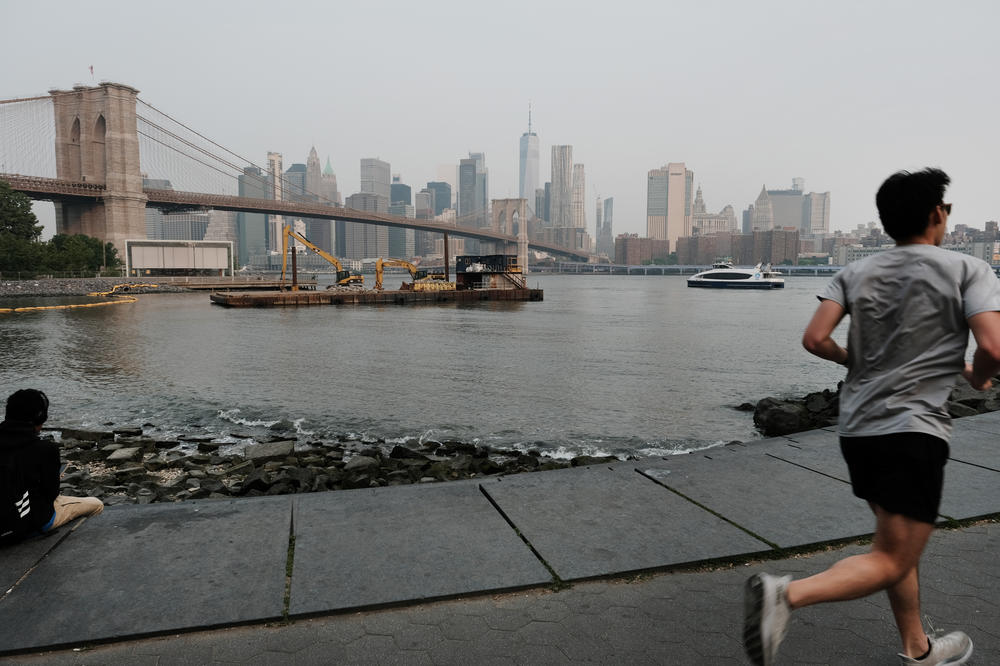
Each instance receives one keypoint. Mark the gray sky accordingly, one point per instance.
(841, 93)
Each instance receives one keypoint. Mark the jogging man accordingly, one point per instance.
(29, 473)
(911, 309)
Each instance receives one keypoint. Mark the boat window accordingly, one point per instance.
(726, 276)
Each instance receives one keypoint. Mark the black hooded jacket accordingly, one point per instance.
(33, 463)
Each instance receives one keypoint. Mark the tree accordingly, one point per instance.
(16, 216)
(79, 253)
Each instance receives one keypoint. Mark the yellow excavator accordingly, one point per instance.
(422, 281)
(344, 278)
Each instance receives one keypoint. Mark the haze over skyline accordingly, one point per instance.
(841, 94)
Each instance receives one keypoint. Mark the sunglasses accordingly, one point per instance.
(946, 206)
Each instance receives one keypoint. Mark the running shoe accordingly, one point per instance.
(765, 616)
(953, 648)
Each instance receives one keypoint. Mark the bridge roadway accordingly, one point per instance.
(65, 190)
(333, 564)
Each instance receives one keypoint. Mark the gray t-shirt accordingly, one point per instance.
(908, 335)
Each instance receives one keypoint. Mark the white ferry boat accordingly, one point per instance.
(726, 276)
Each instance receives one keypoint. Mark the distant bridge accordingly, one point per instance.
(98, 185)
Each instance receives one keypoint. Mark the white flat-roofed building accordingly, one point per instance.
(178, 257)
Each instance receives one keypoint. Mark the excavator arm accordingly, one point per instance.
(343, 276)
(380, 263)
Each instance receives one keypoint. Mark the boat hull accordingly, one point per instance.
(741, 284)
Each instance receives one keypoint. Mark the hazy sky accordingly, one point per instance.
(841, 93)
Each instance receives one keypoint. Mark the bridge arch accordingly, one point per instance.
(99, 150)
(74, 157)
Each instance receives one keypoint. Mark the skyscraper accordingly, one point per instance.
(442, 195)
(560, 213)
(816, 209)
(364, 241)
(375, 178)
(314, 174)
(466, 187)
(528, 163)
(578, 215)
(328, 186)
(251, 228)
(275, 175)
(668, 202)
(399, 192)
(763, 213)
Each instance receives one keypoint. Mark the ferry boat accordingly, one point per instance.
(726, 276)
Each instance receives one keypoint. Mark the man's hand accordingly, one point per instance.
(967, 374)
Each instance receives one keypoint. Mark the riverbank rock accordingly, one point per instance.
(774, 417)
(127, 467)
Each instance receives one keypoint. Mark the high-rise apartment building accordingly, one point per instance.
(669, 194)
(528, 163)
(578, 215)
(560, 202)
(605, 228)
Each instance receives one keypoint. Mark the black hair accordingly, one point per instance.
(28, 406)
(906, 200)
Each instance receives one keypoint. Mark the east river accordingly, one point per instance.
(626, 365)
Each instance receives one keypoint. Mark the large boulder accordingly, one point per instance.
(775, 417)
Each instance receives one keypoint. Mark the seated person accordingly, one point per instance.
(30, 502)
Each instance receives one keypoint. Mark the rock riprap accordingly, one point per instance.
(125, 466)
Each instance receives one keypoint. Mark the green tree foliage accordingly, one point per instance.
(21, 250)
(16, 216)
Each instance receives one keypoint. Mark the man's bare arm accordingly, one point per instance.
(985, 328)
(816, 338)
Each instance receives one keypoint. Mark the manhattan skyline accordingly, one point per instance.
(840, 94)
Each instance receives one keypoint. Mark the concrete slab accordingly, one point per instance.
(818, 450)
(989, 422)
(17, 560)
(783, 503)
(972, 444)
(970, 491)
(600, 520)
(144, 569)
(388, 545)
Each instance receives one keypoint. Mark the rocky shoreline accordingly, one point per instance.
(774, 417)
(124, 466)
(51, 287)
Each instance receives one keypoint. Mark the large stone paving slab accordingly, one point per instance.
(380, 546)
(601, 520)
(784, 503)
(970, 491)
(17, 560)
(817, 450)
(972, 444)
(154, 568)
(989, 422)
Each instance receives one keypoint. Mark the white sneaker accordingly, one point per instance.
(765, 616)
(953, 648)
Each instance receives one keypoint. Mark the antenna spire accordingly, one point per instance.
(529, 117)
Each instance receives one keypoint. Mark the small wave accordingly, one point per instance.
(230, 415)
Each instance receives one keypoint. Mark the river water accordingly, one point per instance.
(626, 365)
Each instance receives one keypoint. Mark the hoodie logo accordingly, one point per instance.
(23, 505)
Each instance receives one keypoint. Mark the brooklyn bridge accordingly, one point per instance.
(105, 138)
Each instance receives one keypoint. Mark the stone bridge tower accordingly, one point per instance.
(97, 142)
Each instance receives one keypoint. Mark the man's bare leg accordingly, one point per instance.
(891, 565)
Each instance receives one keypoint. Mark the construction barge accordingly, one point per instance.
(477, 278)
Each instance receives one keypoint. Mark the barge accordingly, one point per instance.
(477, 278)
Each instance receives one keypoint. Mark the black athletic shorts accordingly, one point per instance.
(902, 473)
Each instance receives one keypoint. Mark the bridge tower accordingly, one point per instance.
(97, 142)
(509, 216)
